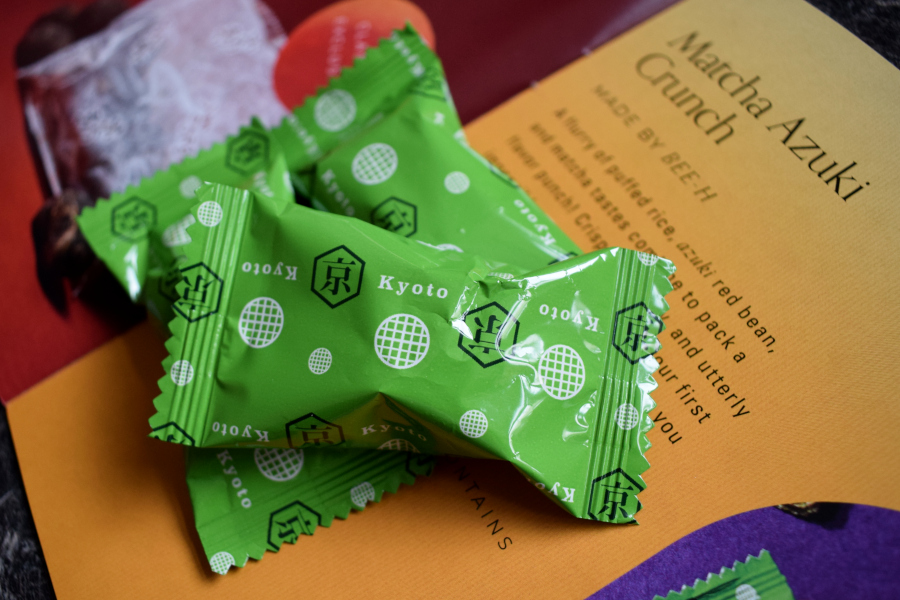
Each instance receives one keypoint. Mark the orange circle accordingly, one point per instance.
(330, 39)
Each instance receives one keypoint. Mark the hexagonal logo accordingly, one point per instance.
(635, 331)
(310, 430)
(486, 333)
(614, 498)
(202, 294)
(289, 522)
(337, 276)
(172, 432)
(133, 218)
(248, 153)
(169, 281)
(397, 216)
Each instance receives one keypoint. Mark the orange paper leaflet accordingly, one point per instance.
(753, 143)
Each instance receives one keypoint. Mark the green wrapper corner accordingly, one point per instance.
(355, 98)
(757, 578)
(138, 232)
(247, 502)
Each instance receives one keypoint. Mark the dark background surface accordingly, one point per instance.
(491, 52)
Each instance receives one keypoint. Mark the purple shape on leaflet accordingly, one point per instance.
(853, 554)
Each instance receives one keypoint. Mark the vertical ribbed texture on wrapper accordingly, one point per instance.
(183, 409)
(628, 383)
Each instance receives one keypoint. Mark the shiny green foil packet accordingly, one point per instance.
(139, 233)
(757, 578)
(399, 66)
(249, 501)
(409, 175)
(386, 146)
(301, 329)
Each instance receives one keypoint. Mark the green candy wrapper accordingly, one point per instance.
(139, 233)
(411, 176)
(384, 144)
(249, 501)
(400, 66)
(758, 578)
(302, 329)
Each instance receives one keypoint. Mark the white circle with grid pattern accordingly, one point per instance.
(561, 371)
(647, 259)
(221, 562)
(745, 592)
(188, 186)
(319, 361)
(399, 445)
(401, 341)
(182, 372)
(627, 417)
(361, 494)
(374, 164)
(456, 182)
(278, 464)
(473, 424)
(261, 322)
(209, 213)
(335, 109)
(176, 234)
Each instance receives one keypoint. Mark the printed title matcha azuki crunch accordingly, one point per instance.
(550, 370)
(657, 68)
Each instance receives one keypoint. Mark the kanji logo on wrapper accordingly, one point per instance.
(486, 333)
(168, 282)
(635, 331)
(133, 218)
(397, 216)
(201, 295)
(614, 497)
(288, 523)
(337, 276)
(248, 153)
(311, 430)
